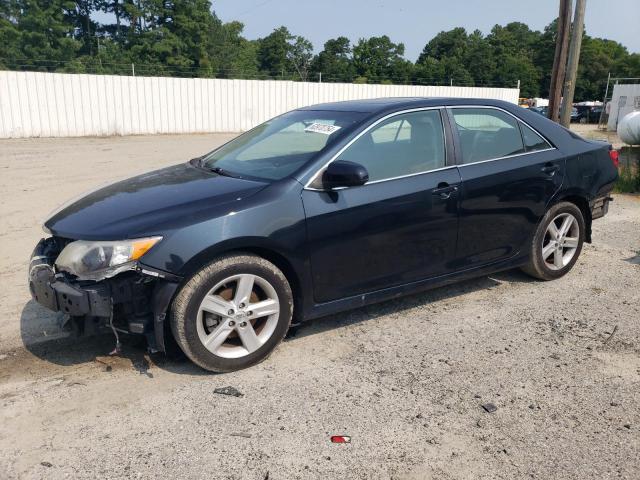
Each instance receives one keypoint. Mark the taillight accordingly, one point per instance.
(615, 157)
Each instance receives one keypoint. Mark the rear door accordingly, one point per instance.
(399, 227)
(509, 173)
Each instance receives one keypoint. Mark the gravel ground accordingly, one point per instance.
(405, 379)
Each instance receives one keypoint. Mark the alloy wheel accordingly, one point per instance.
(560, 241)
(238, 315)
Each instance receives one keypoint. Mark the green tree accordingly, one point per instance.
(513, 68)
(273, 52)
(185, 37)
(299, 56)
(451, 56)
(628, 66)
(479, 59)
(452, 43)
(544, 51)
(46, 34)
(9, 34)
(281, 54)
(513, 48)
(598, 57)
(172, 37)
(378, 59)
(335, 61)
(428, 71)
(78, 14)
(235, 56)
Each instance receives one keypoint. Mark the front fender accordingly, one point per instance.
(272, 218)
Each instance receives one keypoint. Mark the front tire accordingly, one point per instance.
(232, 313)
(557, 243)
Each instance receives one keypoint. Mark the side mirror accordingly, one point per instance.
(343, 173)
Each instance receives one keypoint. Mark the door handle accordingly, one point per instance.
(444, 190)
(550, 168)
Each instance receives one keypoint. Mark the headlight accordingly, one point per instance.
(98, 260)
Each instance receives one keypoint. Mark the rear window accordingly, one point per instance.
(487, 134)
(533, 141)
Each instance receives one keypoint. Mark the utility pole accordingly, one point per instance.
(572, 65)
(559, 59)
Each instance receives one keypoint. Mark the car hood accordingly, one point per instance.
(151, 204)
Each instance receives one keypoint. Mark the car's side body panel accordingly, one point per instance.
(501, 202)
(380, 235)
(502, 199)
(271, 219)
(327, 308)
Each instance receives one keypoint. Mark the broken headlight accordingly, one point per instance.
(89, 260)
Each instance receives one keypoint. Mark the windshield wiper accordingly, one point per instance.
(223, 172)
(200, 162)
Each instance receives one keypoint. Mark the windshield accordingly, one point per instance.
(277, 148)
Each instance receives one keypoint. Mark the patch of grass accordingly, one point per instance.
(629, 171)
(628, 181)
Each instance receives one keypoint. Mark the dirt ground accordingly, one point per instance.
(405, 379)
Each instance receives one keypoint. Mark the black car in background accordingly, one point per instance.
(544, 111)
(588, 114)
(319, 210)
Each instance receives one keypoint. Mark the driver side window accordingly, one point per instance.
(404, 144)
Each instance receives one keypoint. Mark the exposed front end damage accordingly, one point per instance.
(135, 301)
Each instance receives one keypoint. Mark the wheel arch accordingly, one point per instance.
(580, 200)
(261, 249)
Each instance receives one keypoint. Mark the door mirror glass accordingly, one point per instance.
(343, 173)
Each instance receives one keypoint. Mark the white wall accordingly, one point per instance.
(34, 104)
(631, 103)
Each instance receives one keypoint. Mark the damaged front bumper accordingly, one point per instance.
(134, 302)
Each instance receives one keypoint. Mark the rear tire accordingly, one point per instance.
(232, 313)
(557, 243)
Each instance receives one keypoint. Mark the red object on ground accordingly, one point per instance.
(340, 439)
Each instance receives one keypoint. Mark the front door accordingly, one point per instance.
(399, 227)
(509, 173)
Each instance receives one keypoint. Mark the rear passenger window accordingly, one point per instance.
(487, 134)
(533, 141)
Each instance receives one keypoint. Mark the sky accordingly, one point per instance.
(415, 22)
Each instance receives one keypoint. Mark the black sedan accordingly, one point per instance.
(588, 114)
(320, 210)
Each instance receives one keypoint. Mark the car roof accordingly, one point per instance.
(380, 105)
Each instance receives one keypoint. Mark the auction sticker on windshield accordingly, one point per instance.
(322, 128)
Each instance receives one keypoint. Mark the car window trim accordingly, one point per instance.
(440, 108)
(518, 119)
